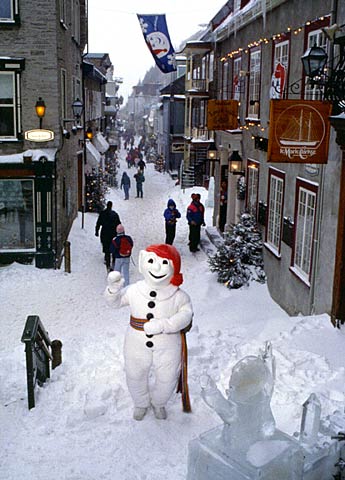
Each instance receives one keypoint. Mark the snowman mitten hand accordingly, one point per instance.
(115, 282)
(153, 327)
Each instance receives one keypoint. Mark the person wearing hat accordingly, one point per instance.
(121, 249)
(160, 313)
(195, 218)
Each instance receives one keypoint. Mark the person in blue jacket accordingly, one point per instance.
(171, 214)
(195, 218)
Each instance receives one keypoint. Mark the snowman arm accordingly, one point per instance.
(180, 320)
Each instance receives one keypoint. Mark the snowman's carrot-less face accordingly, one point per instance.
(157, 271)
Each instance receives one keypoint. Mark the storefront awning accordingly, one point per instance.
(93, 157)
(100, 143)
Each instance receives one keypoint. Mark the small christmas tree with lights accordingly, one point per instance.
(239, 259)
(95, 190)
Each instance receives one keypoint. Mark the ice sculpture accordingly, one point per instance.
(310, 424)
(248, 446)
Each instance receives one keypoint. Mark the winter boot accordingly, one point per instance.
(139, 413)
(160, 413)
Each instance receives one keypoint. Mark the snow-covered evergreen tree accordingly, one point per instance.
(239, 259)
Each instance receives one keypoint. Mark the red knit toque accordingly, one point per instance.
(170, 253)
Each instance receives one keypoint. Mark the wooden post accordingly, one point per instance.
(67, 256)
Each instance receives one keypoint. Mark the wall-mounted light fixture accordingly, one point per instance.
(235, 163)
(40, 108)
(329, 77)
(89, 133)
(212, 153)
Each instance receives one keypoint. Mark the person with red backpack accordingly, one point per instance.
(121, 248)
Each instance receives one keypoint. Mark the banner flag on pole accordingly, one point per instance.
(155, 31)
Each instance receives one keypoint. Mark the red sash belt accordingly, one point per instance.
(182, 386)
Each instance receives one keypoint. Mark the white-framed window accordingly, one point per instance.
(17, 220)
(275, 205)
(280, 69)
(254, 84)
(252, 187)
(225, 82)
(75, 16)
(76, 89)
(305, 211)
(10, 99)
(63, 12)
(64, 93)
(211, 66)
(315, 38)
(236, 78)
(9, 11)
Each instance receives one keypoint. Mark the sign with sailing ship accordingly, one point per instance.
(299, 131)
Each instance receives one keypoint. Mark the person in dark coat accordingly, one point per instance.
(126, 184)
(141, 164)
(140, 179)
(171, 214)
(195, 218)
(107, 221)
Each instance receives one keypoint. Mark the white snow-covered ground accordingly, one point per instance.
(82, 426)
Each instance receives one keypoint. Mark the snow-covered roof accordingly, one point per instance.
(49, 153)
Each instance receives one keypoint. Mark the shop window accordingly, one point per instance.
(305, 210)
(275, 204)
(17, 215)
(9, 11)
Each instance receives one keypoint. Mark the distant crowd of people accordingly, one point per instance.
(116, 244)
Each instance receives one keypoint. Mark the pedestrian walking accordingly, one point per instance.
(171, 214)
(195, 217)
(141, 164)
(121, 249)
(140, 179)
(107, 221)
(126, 184)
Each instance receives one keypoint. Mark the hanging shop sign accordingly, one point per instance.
(39, 135)
(222, 114)
(299, 131)
(177, 147)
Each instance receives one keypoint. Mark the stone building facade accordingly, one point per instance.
(40, 60)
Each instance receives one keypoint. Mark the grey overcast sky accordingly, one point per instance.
(115, 29)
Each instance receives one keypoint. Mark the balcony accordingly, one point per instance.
(197, 86)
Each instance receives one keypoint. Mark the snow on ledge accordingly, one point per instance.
(49, 153)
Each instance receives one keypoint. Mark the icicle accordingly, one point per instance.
(263, 11)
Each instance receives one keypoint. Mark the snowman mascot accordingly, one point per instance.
(160, 314)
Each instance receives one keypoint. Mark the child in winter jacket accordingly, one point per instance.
(121, 248)
(195, 218)
(171, 214)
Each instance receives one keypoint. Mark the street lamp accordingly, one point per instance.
(212, 152)
(235, 163)
(314, 60)
(89, 133)
(40, 108)
(330, 77)
(77, 108)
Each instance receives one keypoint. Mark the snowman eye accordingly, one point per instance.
(165, 262)
(150, 261)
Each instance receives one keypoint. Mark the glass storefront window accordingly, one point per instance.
(17, 215)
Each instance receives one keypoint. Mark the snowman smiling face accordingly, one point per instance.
(157, 271)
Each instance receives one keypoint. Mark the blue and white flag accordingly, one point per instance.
(157, 38)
